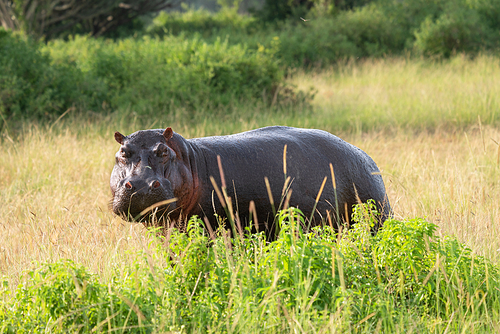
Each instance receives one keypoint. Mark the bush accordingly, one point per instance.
(318, 43)
(221, 284)
(392, 27)
(140, 74)
(489, 10)
(369, 29)
(443, 27)
(363, 32)
(279, 10)
(64, 296)
(200, 21)
(30, 85)
(407, 16)
(159, 73)
(456, 30)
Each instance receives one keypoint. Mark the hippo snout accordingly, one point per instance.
(142, 186)
(135, 195)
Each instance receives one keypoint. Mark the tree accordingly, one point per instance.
(49, 18)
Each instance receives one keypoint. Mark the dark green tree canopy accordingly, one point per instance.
(49, 18)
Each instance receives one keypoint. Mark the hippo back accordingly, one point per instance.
(250, 157)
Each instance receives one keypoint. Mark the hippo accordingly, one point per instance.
(158, 173)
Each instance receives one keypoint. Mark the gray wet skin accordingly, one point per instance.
(141, 176)
(157, 165)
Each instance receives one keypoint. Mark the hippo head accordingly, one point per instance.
(147, 175)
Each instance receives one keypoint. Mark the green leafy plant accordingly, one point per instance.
(226, 284)
(456, 30)
(30, 85)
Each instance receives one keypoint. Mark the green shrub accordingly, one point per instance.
(200, 21)
(318, 43)
(456, 30)
(64, 296)
(30, 85)
(489, 10)
(229, 285)
(407, 16)
(225, 24)
(62, 293)
(280, 10)
(443, 27)
(158, 73)
(363, 32)
(391, 27)
(371, 31)
(138, 74)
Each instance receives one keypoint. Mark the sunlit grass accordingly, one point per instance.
(451, 179)
(428, 135)
(54, 202)
(433, 133)
(412, 95)
(54, 191)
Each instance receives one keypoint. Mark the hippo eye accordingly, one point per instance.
(125, 153)
(161, 151)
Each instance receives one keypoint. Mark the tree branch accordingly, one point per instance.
(6, 15)
(51, 17)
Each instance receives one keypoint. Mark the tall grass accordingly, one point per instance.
(405, 277)
(54, 205)
(409, 94)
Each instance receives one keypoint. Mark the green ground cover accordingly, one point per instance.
(407, 82)
(404, 278)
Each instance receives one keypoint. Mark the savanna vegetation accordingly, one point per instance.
(415, 84)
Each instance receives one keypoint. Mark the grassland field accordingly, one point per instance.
(431, 126)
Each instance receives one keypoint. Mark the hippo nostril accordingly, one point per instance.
(128, 185)
(155, 185)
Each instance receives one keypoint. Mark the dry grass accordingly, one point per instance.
(426, 130)
(452, 180)
(54, 198)
(393, 94)
(54, 189)
(54, 192)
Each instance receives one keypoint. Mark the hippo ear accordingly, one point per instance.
(168, 133)
(119, 137)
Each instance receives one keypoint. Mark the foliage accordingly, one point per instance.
(51, 18)
(283, 9)
(64, 296)
(31, 86)
(138, 74)
(175, 70)
(368, 281)
(460, 28)
(363, 32)
(348, 4)
(331, 33)
(392, 27)
(197, 60)
(227, 21)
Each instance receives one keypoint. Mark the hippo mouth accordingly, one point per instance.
(142, 210)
